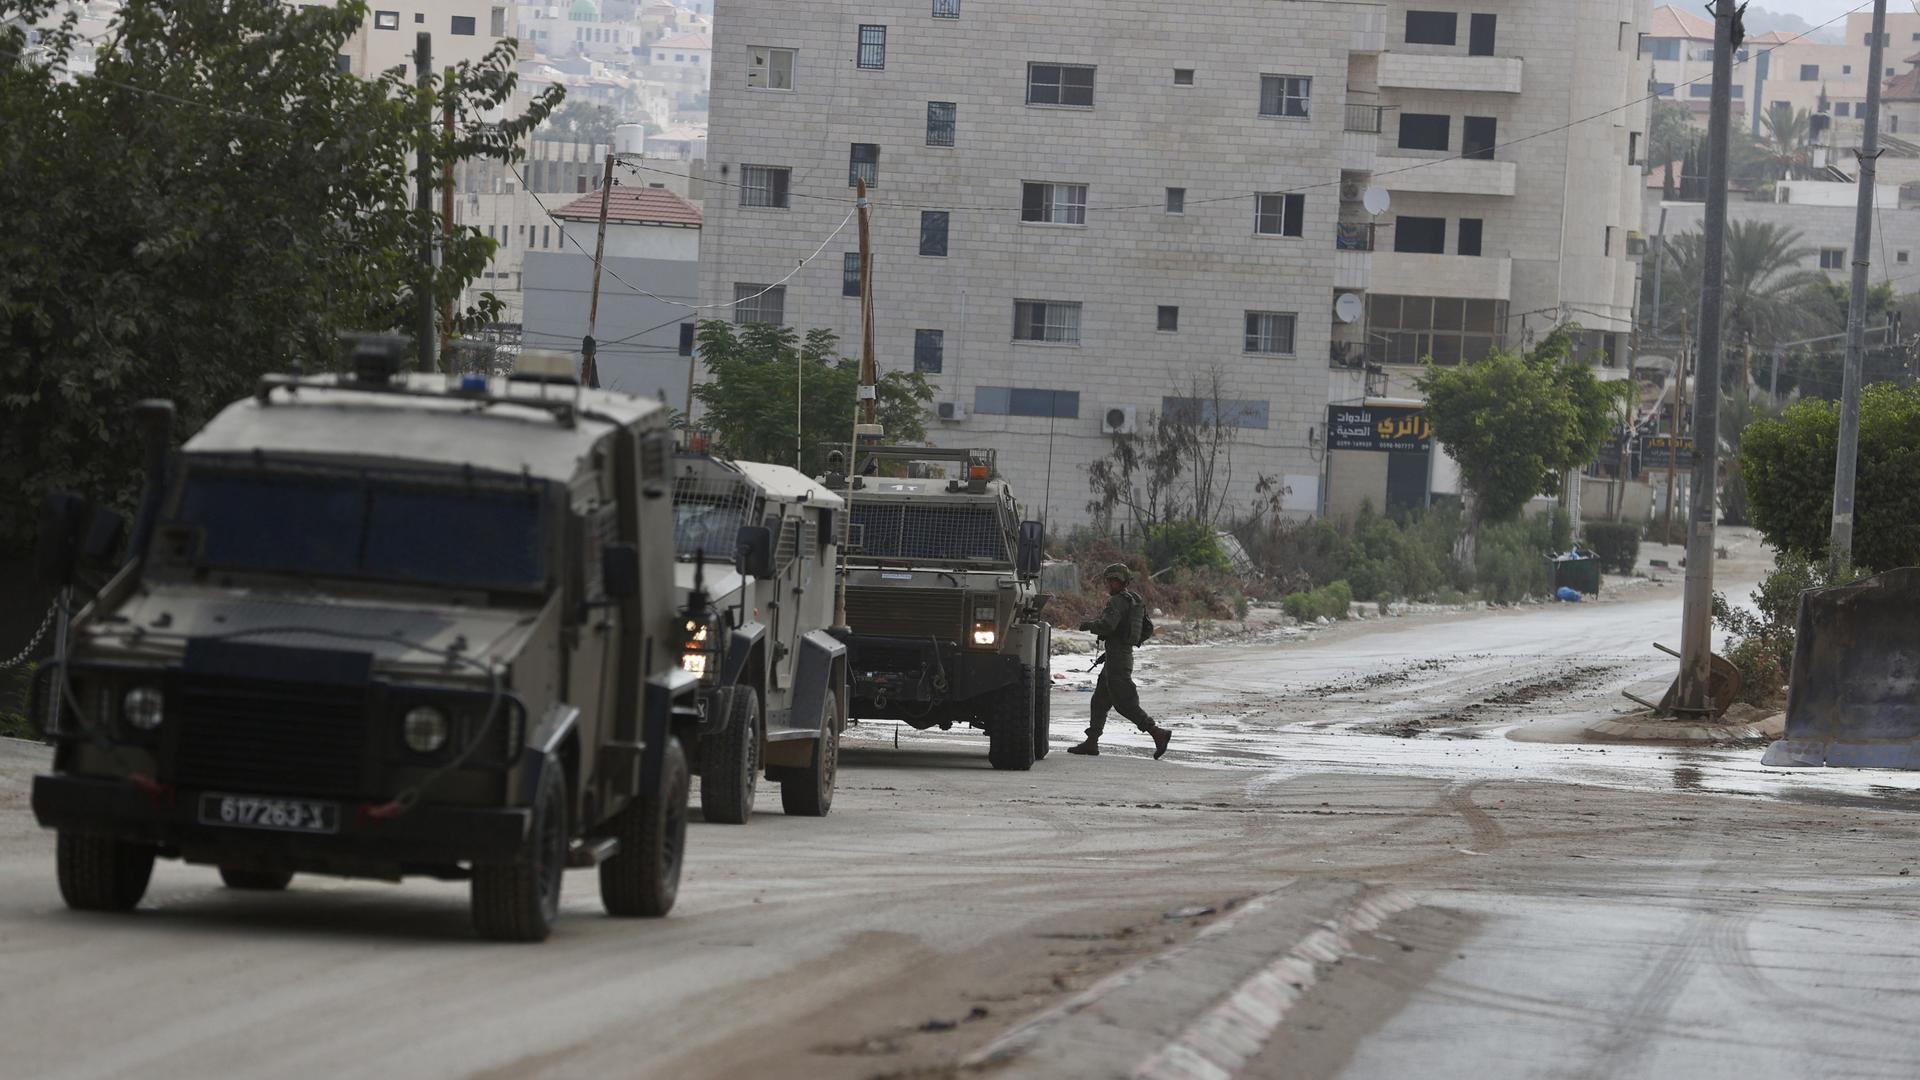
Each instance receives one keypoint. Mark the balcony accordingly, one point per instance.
(1364, 118)
(1451, 71)
(1445, 176)
(1353, 236)
(1470, 277)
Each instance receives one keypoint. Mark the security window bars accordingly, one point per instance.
(957, 531)
(1279, 215)
(1285, 95)
(1019, 401)
(764, 185)
(929, 351)
(941, 122)
(873, 48)
(759, 304)
(1060, 84)
(1053, 204)
(863, 163)
(1270, 333)
(946, 9)
(850, 274)
(1049, 321)
(770, 69)
(708, 513)
(933, 232)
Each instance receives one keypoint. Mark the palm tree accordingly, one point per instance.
(1786, 136)
(1769, 292)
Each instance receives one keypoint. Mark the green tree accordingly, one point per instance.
(1670, 133)
(216, 201)
(1770, 295)
(1787, 138)
(583, 121)
(1788, 465)
(1514, 423)
(754, 373)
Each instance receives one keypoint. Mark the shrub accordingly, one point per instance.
(1295, 555)
(1788, 468)
(1762, 646)
(1386, 561)
(1333, 601)
(1617, 543)
(1510, 559)
(1191, 545)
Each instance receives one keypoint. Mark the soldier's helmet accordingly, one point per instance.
(1118, 572)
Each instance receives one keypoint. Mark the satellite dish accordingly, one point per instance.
(1376, 200)
(1347, 307)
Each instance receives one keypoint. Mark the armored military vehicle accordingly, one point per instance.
(943, 604)
(378, 626)
(756, 547)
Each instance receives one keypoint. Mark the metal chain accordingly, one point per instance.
(33, 644)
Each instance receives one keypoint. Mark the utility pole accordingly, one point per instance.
(1679, 388)
(1773, 379)
(1659, 263)
(423, 180)
(863, 415)
(1696, 630)
(589, 368)
(1840, 544)
(446, 218)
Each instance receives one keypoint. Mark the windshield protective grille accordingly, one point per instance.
(961, 532)
(708, 513)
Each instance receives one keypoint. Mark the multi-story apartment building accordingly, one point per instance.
(462, 30)
(1085, 215)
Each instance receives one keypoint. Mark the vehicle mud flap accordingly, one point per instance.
(663, 695)
(813, 684)
(1854, 700)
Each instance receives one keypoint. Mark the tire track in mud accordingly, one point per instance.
(1507, 695)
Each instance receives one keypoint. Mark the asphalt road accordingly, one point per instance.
(1344, 869)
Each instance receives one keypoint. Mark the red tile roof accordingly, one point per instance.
(634, 206)
(684, 41)
(1672, 22)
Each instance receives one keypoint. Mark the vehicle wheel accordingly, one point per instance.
(644, 878)
(256, 880)
(100, 873)
(808, 792)
(519, 901)
(1010, 732)
(730, 771)
(1042, 698)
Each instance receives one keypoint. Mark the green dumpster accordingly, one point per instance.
(1581, 573)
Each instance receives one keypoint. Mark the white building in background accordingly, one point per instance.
(463, 30)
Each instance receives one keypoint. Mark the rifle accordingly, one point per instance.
(1098, 660)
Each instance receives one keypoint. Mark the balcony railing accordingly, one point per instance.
(1364, 118)
(1354, 236)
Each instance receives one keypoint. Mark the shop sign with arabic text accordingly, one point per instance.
(1379, 427)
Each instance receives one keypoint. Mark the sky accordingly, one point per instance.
(1819, 11)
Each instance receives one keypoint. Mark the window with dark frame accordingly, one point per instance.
(1432, 28)
(1020, 401)
(1469, 238)
(941, 121)
(946, 9)
(769, 68)
(1809, 72)
(929, 351)
(386, 20)
(1481, 31)
(1420, 235)
(760, 185)
(1833, 258)
(1425, 131)
(873, 48)
(463, 26)
(1409, 329)
(1052, 322)
(1478, 137)
(686, 338)
(1289, 96)
(1279, 214)
(933, 233)
(1168, 320)
(1270, 333)
(863, 163)
(1053, 204)
(1060, 84)
(1183, 76)
(850, 274)
(1176, 200)
(759, 304)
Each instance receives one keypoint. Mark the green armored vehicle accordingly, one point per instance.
(943, 603)
(382, 626)
(756, 546)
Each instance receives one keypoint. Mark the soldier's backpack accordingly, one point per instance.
(1146, 620)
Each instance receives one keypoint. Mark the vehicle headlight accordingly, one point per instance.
(425, 729)
(985, 636)
(694, 659)
(986, 628)
(144, 707)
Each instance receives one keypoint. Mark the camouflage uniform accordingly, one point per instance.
(1118, 628)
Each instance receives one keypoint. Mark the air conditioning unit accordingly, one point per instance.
(1352, 191)
(1120, 420)
(950, 410)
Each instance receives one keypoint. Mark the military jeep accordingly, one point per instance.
(943, 604)
(757, 548)
(383, 625)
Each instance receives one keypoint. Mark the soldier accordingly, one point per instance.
(1119, 627)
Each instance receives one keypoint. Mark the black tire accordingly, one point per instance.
(256, 880)
(1010, 731)
(808, 792)
(1043, 697)
(643, 880)
(730, 765)
(519, 901)
(100, 873)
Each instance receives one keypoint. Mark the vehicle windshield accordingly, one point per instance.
(458, 531)
(707, 517)
(957, 532)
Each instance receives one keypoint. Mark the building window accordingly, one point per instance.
(1420, 235)
(863, 163)
(463, 26)
(1663, 89)
(1664, 48)
(1222, 412)
(1847, 69)
(1424, 131)
(1809, 72)
(1169, 319)
(933, 233)
(1016, 401)
(343, 63)
(1481, 31)
(1053, 204)
(1285, 95)
(1279, 215)
(1606, 243)
(1700, 90)
(929, 351)
(1633, 148)
(1432, 27)
(1867, 39)
(497, 22)
(764, 185)
(873, 48)
(759, 304)
(1833, 258)
(941, 121)
(1183, 76)
(1478, 136)
(1841, 109)
(1060, 84)
(1270, 333)
(850, 274)
(1049, 321)
(1469, 242)
(1409, 329)
(1176, 200)
(419, 17)
(386, 20)
(770, 69)
(546, 240)
(946, 9)
(686, 338)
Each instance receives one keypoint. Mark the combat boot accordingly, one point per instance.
(1090, 748)
(1161, 736)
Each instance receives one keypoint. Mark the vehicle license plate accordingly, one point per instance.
(262, 812)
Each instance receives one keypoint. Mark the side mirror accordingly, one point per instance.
(1033, 547)
(620, 571)
(63, 521)
(753, 551)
